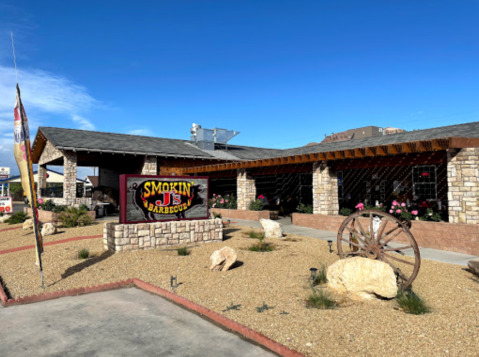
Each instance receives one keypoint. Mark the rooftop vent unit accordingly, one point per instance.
(206, 138)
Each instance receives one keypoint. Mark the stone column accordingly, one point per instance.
(246, 189)
(150, 166)
(462, 184)
(42, 179)
(325, 190)
(69, 177)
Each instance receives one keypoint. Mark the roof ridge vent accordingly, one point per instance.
(207, 138)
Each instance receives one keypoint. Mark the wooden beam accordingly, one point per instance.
(380, 150)
(358, 153)
(330, 156)
(420, 147)
(321, 156)
(461, 143)
(370, 152)
(406, 148)
(349, 154)
(338, 155)
(435, 145)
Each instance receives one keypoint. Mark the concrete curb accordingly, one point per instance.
(211, 315)
(26, 247)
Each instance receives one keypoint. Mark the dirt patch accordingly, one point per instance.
(277, 279)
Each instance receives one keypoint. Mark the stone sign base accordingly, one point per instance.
(119, 237)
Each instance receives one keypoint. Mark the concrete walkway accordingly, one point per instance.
(426, 253)
(126, 322)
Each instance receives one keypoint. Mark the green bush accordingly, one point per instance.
(302, 208)
(256, 205)
(59, 209)
(46, 205)
(255, 234)
(320, 300)
(411, 303)
(217, 215)
(84, 207)
(83, 253)
(74, 217)
(18, 217)
(261, 247)
(345, 211)
(183, 251)
(431, 216)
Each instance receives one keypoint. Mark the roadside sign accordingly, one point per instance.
(4, 172)
(6, 205)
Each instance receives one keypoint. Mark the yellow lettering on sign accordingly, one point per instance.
(160, 210)
(166, 187)
(150, 208)
(156, 187)
(145, 203)
(176, 209)
(187, 189)
(146, 194)
(173, 186)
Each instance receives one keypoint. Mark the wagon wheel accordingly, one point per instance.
(392, 240)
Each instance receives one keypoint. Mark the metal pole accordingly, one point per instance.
(31, 184)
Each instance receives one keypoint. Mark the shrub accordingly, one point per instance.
(430, 215)
(411, 303)
(217, 215)
(228, 201)
(261, 247)
(256, 205)
(321, 276)
(302, 208)
(183, 251)
(319, 300)
(74, 217)
(83, 253)
(16, 218)
(59, 209)
(255, 234)
(84, 207)
(345, 211)
(46, 205)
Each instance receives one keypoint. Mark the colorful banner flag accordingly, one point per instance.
(23, 156)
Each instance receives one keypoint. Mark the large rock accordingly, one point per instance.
(362, 277)
(473, 266)
(4, 218)
(48, 229)
(271, 228)
(223, 259)
(28, 224)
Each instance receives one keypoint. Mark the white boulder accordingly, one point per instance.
(28, 224)
(4, 218)
(271, 228)
(223, 259)
(362, 277)
(48, 229)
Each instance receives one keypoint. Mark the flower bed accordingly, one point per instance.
(52, 217)
(454, 237)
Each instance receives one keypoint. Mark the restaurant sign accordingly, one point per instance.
(6, 205)
(4, 172)
(146, 199)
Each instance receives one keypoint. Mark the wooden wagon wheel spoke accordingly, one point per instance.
(354, 244)
(396, 249)
(391, 238)
(374, 246)
(398, 259)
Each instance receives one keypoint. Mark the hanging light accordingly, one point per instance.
(330, 243)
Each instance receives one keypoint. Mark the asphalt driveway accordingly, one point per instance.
(126, 322)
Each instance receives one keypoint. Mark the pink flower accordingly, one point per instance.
(395, 203)
(398, 211)
(40, 200)
(219, 195)
(406, 210)
(222, 201)
(403, 204)
(360, 206)
(214, 194)
(214, 204)
(414, 213)
(391, 211)
(226, 200)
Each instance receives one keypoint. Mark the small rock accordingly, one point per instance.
(223, 259)
(48, 229)
(473, 266)
(309, 344)
(28, 224)
(271, 228)
(4, 218)
(362, 277)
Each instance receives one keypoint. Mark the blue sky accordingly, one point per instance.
(283, 73)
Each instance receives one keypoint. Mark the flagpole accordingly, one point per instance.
(30, 182)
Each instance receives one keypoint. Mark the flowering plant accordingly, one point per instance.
(400, 210)
(258, 204)
(228, 201)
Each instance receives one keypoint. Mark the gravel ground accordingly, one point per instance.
(279, 279)
(19, 237)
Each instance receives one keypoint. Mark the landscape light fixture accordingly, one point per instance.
(229, 221)
(330, 243)
(314, 272)
(173, 282)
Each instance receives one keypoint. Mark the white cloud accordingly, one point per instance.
(85, 124)
(145, 132)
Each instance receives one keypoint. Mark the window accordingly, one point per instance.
(339, 176)
(424, 181)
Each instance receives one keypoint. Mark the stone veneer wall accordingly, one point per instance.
(49, 154)
(119, 237)
(325, 190)
(150, 166)
(69, 177)
(462, 182)
(42, 179)
(246, 189)
(77, 202)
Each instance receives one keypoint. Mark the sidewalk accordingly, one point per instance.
(426, 253)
